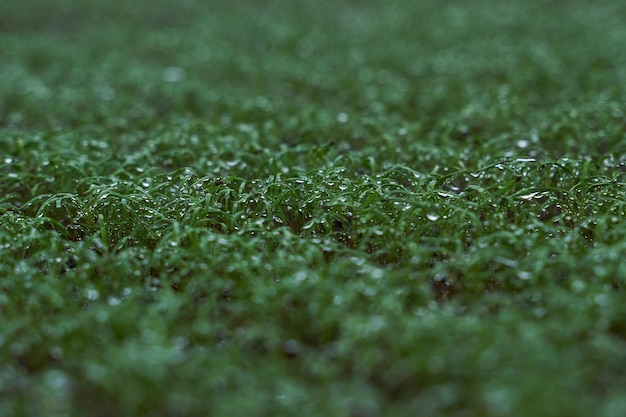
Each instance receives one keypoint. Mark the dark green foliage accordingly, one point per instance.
(381, 208)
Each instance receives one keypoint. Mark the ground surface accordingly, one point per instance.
(357, 208)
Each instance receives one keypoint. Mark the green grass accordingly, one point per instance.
(268, 208)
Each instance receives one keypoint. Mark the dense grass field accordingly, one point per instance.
(313, 208)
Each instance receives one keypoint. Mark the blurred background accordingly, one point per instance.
(478, 64)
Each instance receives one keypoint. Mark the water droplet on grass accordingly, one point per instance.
(432, 217)
(601, 299)
(378, 273)
(173, 74)
(579, 286)
(522, 143)
(498, 400)
(113, 301)
(106, 92)
(530, 196)
(92, 294)
(55, 379)
(300, 277)
(291, 347)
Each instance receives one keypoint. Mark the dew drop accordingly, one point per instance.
(530, 196)
(113, 301)
(173, 74)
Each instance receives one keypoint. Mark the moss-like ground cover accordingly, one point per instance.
(276, 208)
